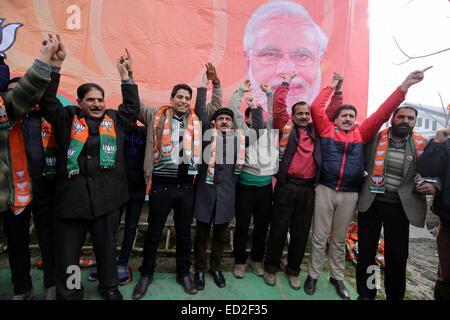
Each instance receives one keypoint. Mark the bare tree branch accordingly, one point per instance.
(415, 57)
(446, 115)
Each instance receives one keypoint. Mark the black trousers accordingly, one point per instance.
(392, 218)
(293, 208)
(219, 241)
(162, 199)
(43, 223)
(442, 287)
(133, 210)
(17, 231)
(70, 235)
(256, 202)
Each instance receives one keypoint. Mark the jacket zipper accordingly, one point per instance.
(344, 159)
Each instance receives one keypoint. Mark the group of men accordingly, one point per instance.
(210, 163)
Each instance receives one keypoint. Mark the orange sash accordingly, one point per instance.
(377, 177)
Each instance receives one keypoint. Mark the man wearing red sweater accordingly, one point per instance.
(293, 202)
(342, 173)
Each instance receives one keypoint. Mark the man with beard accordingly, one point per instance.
(280, 38)
(389, 199)
(342, 173)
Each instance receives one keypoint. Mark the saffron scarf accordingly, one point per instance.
(163, 147)
(285, 133)
(20, 183)
(50, 149)
(79, 134)
(240, 161)
(378, 174)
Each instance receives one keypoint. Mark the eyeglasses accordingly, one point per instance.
(300, 57)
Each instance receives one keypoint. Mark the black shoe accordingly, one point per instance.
(340, 288)
(363, 298)
(141, 287)
(310, 285)
(113, 294)
(187, 283)
(199, 280)
(219, 279)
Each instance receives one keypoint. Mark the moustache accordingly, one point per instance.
(347, 122)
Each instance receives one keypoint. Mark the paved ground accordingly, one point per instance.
(164, 287)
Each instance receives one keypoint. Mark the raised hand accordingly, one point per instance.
(52, 51)
(413, 78)
(288, 77)
(251, 102)
(441, 135)
(246, 86)
(130, 61)
(122, 67)
(337, 82)
(211, 72)
(265, 88)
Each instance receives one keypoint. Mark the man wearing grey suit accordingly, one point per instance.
(392, 197)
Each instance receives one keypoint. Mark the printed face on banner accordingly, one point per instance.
(258, 40)
(281, 38)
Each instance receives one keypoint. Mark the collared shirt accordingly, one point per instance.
(303, 165)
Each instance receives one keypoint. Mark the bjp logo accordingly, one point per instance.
(8, 35)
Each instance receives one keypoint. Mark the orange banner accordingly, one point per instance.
(170, 41)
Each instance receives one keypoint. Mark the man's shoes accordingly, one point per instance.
(219, 279)
(199, 280)
(24, 296)
(257, 268)
(124, 274)
(141, 287)
(50, 293)
(294, 282)
(310, 285)
(340, 288)
(187, 283)
(363, 298)
(270, 278)
(113, 294)
(239, 270)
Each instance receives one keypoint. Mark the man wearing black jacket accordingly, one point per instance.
(90, 176)
(435, 162)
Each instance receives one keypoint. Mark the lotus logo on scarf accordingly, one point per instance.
(20, 174)
(50, 161)
(78, 126)
(377, 180)
(109, 149)
(211, 171)
(43, 134)
(23, 199)
(382, 143)
(70, 152)
(22, 185)
(156, 155)
(380, 153)
(107, 124)
(379, 162)
(166, 149)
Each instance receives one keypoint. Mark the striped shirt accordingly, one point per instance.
(171, 173)
(394, 170)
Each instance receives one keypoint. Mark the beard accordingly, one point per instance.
(401, 131)
(299, 90)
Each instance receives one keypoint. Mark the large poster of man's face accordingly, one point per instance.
(171, 41)
(281, 38)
